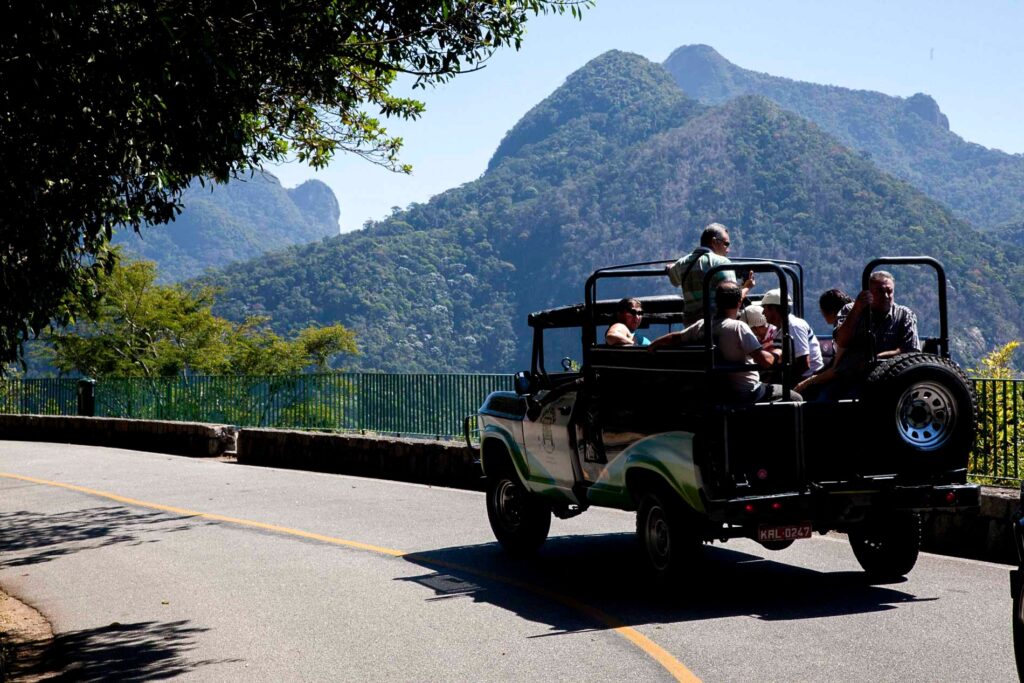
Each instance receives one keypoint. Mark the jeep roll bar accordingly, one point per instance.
(590, 291)
(793, 269)
(783, 270)
(940, 272)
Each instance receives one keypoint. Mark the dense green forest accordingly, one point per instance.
(236, 221)
(618, 165)
(908, 137)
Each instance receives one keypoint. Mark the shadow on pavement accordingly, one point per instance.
(606, 573)
(28, 538)
(143, 651)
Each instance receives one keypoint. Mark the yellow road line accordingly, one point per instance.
(648, 646)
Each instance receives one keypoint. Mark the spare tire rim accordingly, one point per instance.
(926, 415)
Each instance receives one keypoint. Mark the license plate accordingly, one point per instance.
(784, 532)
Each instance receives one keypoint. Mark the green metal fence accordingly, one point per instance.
(409, 405)
(1000, 444)
(50, 396)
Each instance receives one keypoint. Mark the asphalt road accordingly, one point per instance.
(153, 567)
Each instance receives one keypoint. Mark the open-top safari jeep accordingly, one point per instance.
(653, 431)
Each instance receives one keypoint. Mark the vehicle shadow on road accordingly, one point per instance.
(142, 651)
(28, 538)
(574, 578)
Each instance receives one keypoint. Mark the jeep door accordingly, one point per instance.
(548, 447)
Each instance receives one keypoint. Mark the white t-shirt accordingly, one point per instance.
(805, 344)
(736, 341)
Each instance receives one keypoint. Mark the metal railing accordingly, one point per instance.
(419, 405)
(49, 396)
(999, 445)
(408, 405)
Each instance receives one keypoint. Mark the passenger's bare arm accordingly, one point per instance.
(764, 359)
(666, 340)
(845, 333)
(618, 335)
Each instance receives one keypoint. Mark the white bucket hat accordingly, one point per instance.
(754, 316)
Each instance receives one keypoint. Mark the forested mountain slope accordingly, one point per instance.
(908, 137)
(244, 218)
(618, 166)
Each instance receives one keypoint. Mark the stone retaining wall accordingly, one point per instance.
(193, 439)
(442, 463)
(982, 535)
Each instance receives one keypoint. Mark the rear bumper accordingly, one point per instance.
(828, 508)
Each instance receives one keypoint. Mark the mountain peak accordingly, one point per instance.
(607, 96)
(702, 73)
(928, 109)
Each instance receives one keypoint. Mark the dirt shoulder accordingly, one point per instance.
(26, 639)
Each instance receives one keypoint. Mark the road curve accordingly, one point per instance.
(153, 566)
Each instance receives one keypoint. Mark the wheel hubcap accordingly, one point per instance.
(926, 416)
(509, 501)
(658, 537)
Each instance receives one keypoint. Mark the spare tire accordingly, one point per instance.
(922, 407)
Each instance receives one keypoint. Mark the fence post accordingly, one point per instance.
(87, 397)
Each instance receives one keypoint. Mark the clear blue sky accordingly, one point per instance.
(967, 55)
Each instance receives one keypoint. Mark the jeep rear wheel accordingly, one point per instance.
(887, 546)
(519, 519)
(671, 546)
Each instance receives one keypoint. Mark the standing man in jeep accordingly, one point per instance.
(688, 272)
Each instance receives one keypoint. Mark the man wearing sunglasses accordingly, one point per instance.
(688, 272)
(622, 332)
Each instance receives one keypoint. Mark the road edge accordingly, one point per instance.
(26, 642)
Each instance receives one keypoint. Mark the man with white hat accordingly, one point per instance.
(806, 349)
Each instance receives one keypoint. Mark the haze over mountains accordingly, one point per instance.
(615, 166)
(240, 220)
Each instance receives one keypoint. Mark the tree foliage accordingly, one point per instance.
(109, 109)
(137, 328)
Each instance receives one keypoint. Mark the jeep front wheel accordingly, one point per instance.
(519, 520)
(670, 545)
(887, 546)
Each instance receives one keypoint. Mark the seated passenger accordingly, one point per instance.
(876, 318)
(830, 303)
(873, 322)
(765, 332)
(737, 343)
(623, 332)
(806, 350)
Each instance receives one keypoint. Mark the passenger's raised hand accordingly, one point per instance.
(749, 283)
(863, 301)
